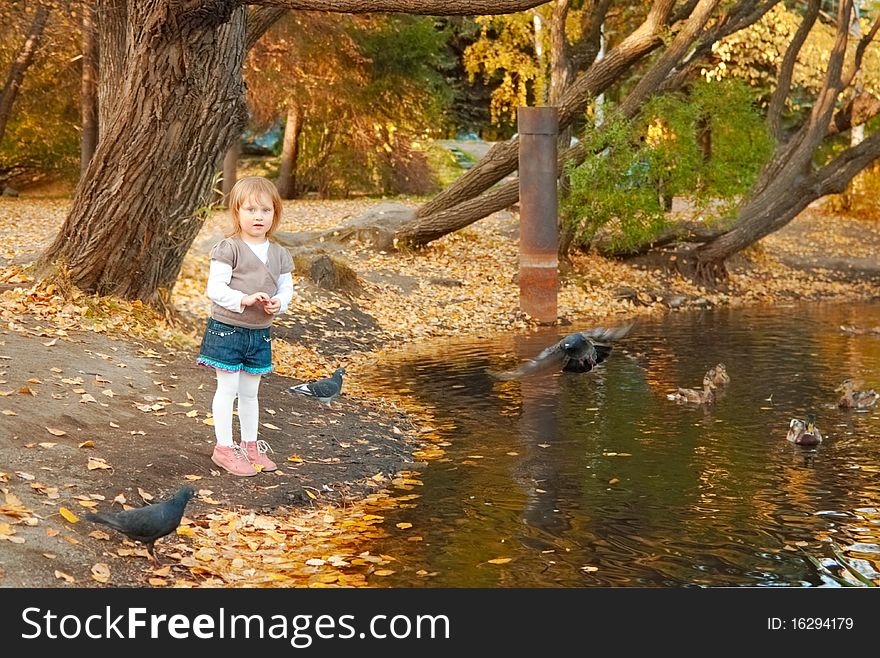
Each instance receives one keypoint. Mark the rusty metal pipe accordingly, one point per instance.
(538, 231)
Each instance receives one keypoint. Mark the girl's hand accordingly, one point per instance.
(257, 297)
(272, 306)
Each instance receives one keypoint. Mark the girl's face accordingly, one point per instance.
(255, 218)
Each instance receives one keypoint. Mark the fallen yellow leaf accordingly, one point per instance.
(500, 560)
(68, 515)
(55, 432)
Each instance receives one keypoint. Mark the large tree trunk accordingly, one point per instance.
(179, 107)
(290, 151)
(89, 100)
(20, 65)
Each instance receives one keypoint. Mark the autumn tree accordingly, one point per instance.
(24, 57)
(359, 94)
(793, 179)
(172, 102)
(37, 99)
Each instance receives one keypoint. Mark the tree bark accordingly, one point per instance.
(135, 213)
(424, 7)
(560, 70)
(290, 152)
(89, 101)
(20, 65)
(112, 24)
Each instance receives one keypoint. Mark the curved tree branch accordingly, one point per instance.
(786, 69)
(259, 20)
(426, 7)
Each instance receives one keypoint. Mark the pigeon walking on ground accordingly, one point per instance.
(326, 390)
(578, 352)
(149, 523)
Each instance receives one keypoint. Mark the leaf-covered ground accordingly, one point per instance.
(101, 405)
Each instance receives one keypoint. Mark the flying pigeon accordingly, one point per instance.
(578, 352)
(326, 390)
(149, 523)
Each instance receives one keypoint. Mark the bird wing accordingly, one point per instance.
(553, 356)
(325, 388)
(304, 389)
(135, 523)
(607, 334)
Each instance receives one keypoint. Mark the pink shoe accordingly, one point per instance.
(233, 459)
(256, 453)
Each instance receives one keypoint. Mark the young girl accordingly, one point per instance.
(249, 283)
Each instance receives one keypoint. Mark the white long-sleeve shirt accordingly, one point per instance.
(220, 274)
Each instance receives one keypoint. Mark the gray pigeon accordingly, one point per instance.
(149, 523)
(326, 390)
(577, 352)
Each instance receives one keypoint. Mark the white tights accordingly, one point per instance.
(244, 386)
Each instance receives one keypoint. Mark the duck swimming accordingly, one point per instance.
(695, 396)
(718, 375)
(853, 399)
(804, 433)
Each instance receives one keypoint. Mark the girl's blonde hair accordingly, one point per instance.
(248, 189)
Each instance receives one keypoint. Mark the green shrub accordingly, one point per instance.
(708, 145)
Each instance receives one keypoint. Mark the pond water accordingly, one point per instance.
(598, 479)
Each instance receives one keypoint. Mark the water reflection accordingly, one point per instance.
(598, 479)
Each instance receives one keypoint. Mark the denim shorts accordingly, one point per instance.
(230, 348)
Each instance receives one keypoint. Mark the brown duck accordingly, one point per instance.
(853, 399)
(718, 375)
(696, 396)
